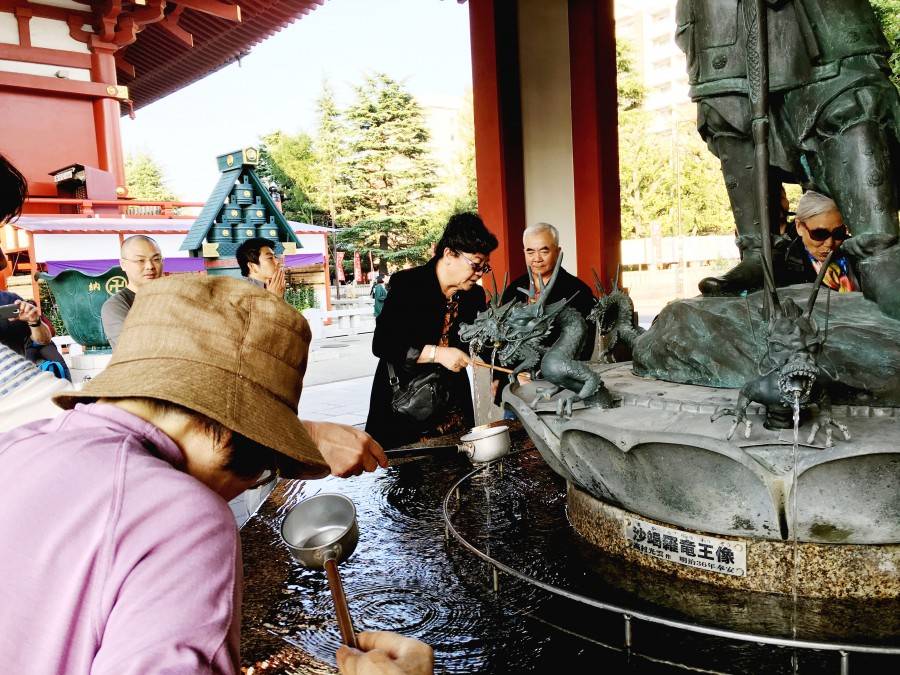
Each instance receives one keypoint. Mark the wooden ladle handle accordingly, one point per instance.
(348, 637)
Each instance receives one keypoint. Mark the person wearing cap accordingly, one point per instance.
(118, 551)
(259, 265)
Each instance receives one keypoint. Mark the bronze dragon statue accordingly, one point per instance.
(517, 333)
(791, 379)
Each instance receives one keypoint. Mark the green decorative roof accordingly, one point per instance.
(239, 208)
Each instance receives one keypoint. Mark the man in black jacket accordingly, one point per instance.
(542, 250)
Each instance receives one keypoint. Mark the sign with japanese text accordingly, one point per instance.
(686, 548)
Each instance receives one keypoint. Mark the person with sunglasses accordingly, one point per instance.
(418, 331)
(820, 230)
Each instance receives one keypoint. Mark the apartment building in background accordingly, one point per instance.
(648, 26)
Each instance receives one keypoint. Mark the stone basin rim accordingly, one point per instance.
(644, 616)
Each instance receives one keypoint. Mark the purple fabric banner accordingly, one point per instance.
(98, 267)
(302, 259)
(170, 265)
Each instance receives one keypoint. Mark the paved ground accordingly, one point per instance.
(338, 380)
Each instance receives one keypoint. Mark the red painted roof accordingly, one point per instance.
(163, 64)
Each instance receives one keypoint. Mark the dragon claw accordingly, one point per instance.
(827, 424)
(738, 418)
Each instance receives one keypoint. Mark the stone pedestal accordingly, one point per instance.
(823, 570)
(658, 457)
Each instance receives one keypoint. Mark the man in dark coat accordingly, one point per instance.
(542, 250)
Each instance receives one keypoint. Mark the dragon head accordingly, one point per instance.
(507, 327)
(793, 346)
(794, 342)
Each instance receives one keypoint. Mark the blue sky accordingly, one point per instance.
(423, 43)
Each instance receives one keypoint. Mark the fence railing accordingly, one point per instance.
(133, 208)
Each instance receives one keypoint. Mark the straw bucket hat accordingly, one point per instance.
(221, 347)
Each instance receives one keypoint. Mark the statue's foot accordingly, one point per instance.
(601, 399)
(544, 394)
(747, 276)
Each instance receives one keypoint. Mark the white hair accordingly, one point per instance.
(537, 228)
(814, 204)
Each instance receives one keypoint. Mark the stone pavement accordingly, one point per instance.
(345, 401)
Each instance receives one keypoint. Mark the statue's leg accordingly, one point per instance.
(859, 165)
(857, 169)
(725, 125)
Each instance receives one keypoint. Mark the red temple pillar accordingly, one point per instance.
(498, 129)
(106, 115)
(595, 152)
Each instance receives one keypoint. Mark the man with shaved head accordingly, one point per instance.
(142, 261)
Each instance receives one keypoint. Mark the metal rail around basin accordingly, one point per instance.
(843, 649)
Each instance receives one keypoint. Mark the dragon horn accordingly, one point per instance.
(819, 277)
(546, 290)
(598, 284)
(543, 296)
(495, 299)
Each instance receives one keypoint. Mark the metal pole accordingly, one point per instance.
(337, 278)
(845, 663)
(627, 631)
(758, 75)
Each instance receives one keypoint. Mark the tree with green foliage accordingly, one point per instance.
(144, 179)
(289, 161)
(331, 152)
(888, 13)
(389, 175)
(629, 88)
(669, 181)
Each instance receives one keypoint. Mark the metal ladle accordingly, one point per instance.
(321, 532)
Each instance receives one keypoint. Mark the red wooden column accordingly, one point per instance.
(595, 151)
(107, 113)
(498, 129)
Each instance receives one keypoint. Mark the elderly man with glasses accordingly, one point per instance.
(540, 243)
(820, 230)
(142, 261)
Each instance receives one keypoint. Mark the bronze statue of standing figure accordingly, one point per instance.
(833, 118)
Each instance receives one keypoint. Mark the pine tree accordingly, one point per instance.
(144, 178)
(289, 161)
(331, 151)
(389, 175)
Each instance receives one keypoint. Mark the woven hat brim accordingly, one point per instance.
(210, 391)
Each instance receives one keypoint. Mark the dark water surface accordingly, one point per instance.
(405, 576)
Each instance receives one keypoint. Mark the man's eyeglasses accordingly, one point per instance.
(822, 234)
(477, 268)
(156, 260)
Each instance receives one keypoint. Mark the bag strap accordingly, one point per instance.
(393, 380)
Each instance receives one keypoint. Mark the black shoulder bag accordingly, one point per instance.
(423, 397)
